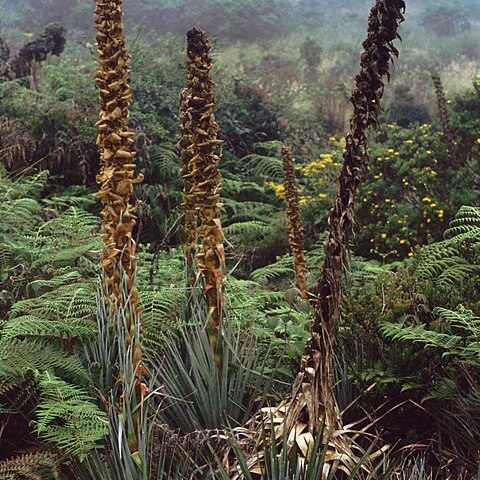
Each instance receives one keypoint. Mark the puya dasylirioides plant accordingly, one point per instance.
(117, 172)
(313, 408)
(296, 235)
(202, 179)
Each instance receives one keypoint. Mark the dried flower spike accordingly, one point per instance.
(117, 175)
(202, 179)
(296, 235)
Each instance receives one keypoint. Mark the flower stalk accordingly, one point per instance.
(296, 234)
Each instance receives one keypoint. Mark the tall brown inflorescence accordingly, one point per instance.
(296, 235)
(202, 179)
(117, 176)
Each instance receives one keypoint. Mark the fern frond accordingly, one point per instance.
(253, 229)
(161, 310)
(283, 267)
(67, 417)
(164, 162)
(457, 338)
(262, 166)
(29, 187)
(466, 220)
(455, 260)
(20, 356)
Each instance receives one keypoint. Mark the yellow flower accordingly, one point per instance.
(278, 188)
(391, 150)
(384, 236)
(440, 214)
(426, 199)
(478, 141)
(403, 241)
(433, 205)
(408, 142)
(322, 195)
(410, 254)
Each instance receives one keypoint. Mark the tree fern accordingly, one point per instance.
(47, 268)
(249, 230)
(164, 164)
(240, 211)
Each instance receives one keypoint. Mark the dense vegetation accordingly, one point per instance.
(87, 393)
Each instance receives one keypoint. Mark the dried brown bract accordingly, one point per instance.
(296, 235)
(202, 179)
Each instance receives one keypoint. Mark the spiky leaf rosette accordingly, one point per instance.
(115, 141)
(203, 177)
(313, 407)
(296, 235)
